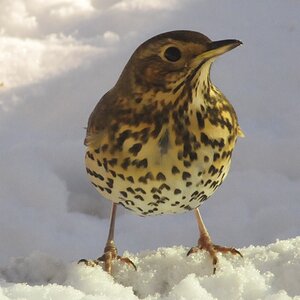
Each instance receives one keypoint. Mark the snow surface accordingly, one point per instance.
(270, 272)
(57, 58)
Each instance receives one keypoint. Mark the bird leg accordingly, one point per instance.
(205, 243)
(110, 250)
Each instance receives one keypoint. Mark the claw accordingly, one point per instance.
(127, 261)
(192, 251)
(88, 262)
(205, 243)
(107, 259)
(227, 249)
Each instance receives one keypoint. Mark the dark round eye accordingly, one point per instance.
(172, 54)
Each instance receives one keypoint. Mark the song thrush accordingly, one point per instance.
(160, 141)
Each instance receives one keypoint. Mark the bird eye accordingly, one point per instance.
(172, 54)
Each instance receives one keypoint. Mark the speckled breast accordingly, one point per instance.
(170, 172)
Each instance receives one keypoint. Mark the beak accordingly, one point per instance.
(219, 47)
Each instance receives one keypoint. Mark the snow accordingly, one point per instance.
(31, 60)
(270, 272)
(57, 58)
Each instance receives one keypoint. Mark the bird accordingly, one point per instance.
(161, 140)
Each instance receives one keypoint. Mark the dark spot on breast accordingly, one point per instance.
(155, 190)
(213, 170)
(139, 197)
(94, 174)
(160, 176)
(187, 148)
(175, 170)
(123, 193)
(129, 202)
(200, 120)
(164, 142)
(221, 170)
(214, 184)
(130, 178)
(105, 164)
(216, 156)
(177, 191)
(112, 162)
(110, 183)
(207, 182)
(135, 149)
(156, 197)
(180, 155)
(204, 138)
(144, 179)
(98, 186)
(130, 190)
(185, 175)
(202, 198)
(144, 134)
(90, 155)
(121, 176)
(149, 176)
(212, 142)
(108, 190)
(158, 121)
(122, 137)
(193, 156)
(186, 163)
(164, 186)
(187, 207)
(140, 190)
(113, 173)
(126, 162)
(142, 163)
(195, 194)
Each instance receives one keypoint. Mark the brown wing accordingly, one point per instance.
(100, 119)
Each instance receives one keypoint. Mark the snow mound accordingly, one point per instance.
(270, 272)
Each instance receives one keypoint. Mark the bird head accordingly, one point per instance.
(172, 58)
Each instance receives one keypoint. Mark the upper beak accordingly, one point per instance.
(219, 47)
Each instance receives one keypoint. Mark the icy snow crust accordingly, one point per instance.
(270, 272)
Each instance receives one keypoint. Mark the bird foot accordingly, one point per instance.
(205, 243)
(110, 254)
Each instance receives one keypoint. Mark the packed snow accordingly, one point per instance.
(57, 59)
